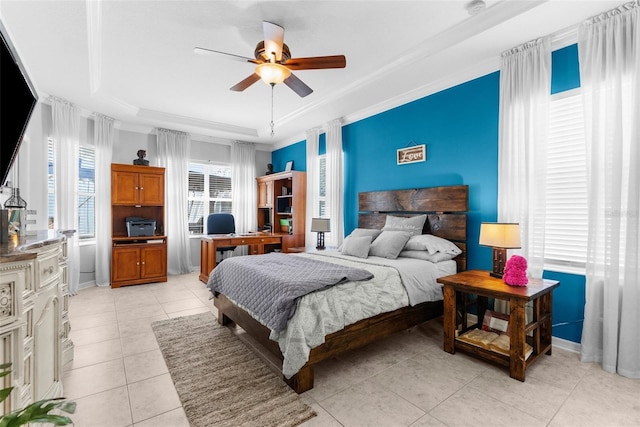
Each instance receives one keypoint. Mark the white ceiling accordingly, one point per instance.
(133, 60)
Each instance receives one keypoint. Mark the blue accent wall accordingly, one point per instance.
(459, 126)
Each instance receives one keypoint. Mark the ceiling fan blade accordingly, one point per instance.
(273, 39)
(297, 85)
(316, 62)
(204, 51)
(239, 87)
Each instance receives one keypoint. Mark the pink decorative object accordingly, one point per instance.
(515, 272)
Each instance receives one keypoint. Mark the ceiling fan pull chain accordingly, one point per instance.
(271, 124)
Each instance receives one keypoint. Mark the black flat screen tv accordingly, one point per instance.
(17, 101)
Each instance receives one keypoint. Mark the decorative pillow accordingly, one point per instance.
(413, 225)
(356, 246)
(389, 244)
(359, 232)
(425, 255)
(431, 244)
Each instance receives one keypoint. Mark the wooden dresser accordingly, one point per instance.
(34, 320)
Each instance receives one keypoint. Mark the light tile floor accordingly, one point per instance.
(118, 376)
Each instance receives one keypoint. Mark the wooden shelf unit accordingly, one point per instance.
(137, 191)
(283, 196)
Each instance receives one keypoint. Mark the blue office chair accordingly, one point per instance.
(221, 223)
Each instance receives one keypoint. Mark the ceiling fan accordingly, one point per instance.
(274, 62)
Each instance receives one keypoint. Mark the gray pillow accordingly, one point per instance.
(359, 232)
(413, 225)
(389, 244)
(356, 246)
(425, 255)
(432, 244)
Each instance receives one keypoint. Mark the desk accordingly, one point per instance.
(256, 241)
(479, 283)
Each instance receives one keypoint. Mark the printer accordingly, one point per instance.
(140, 227)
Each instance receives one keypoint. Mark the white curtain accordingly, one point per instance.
(334, 183)
(66, 141)
(244, 191)
(103, 141)
(173, 155)
(609, 51)
(313, 183)
(525, 88)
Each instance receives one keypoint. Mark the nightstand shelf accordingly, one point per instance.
(537, 333)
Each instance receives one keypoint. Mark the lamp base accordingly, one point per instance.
(320, 244)
(499, 257)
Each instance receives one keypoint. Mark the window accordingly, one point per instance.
(566, 216)
(86, 190)
(322, 170)
(209, 192)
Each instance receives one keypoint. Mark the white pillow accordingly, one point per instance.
(389, 244)
(431, 244)
(413, 224)
(356, 246)
(425, 255)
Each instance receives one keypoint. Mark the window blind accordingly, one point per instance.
(209, 192)
(566, 210)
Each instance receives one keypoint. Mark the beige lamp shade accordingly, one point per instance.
(500, 235)
(320, 224)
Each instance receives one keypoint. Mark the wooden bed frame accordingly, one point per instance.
(446, 209)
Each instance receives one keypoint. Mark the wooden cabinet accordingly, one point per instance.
(139, 263)
(34, 321)
(265, 193)
(282, 197)
(132, 186)
(137, 191)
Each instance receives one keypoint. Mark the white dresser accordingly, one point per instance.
(34, 320)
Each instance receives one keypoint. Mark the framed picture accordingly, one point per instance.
(289, 166)
(413, 154)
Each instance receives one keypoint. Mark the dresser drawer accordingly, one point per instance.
(47, 268)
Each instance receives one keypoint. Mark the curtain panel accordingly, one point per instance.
(173, 155)
(66, 142)
(243, 191)
(525, 88)
(334, 183)
(103, 141)
(609, 52)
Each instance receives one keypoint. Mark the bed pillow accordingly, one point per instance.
(356, 246)
(359, 232)
(413, 225)
(389, 244)
(431, 244)
(425, 255)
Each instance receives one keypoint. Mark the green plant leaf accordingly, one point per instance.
(4, 393)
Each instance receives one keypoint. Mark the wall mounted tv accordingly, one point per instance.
(17, 101)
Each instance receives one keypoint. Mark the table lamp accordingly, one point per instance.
(500, 236)
(320, 226)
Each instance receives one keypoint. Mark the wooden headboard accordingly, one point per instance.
(445, 207)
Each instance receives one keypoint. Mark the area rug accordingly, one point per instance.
(220, 381)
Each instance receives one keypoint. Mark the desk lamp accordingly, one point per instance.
(320, 226)
(500, 236)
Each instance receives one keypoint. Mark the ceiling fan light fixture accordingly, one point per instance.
(272, 73)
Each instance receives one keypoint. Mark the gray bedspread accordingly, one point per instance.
(269, 285)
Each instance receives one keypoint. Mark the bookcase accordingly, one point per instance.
(282, 199)
(137, 191)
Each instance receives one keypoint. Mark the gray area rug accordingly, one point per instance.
(220, 381)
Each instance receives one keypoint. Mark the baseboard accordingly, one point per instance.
(567, 345)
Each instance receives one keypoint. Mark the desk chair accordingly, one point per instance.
(221, 223)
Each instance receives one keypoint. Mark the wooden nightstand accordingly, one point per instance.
(537, 333)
